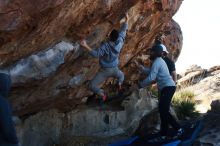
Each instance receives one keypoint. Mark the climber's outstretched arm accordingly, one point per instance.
(85, 45)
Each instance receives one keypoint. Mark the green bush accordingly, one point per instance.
(184, 105)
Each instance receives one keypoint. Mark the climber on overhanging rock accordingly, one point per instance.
(159, 72)
(7, 131)
(108, 54)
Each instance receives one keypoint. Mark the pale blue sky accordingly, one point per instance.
(200, 24)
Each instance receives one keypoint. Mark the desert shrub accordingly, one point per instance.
(184, 105)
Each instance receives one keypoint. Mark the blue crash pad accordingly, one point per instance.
(125, 142)
(191, 132)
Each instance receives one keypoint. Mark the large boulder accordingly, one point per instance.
(39, 45)
(205, 84)
(210, 133)
(91, 125)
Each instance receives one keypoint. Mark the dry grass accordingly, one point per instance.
(184, 105)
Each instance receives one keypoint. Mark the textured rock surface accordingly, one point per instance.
(205, 84)
(210, 133)
(86, 126)
(192, 75)
(47, 74)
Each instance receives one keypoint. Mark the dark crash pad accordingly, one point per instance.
(191, 132)
(113, 101)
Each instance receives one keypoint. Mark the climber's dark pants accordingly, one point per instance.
(166, 118)
(7, 131)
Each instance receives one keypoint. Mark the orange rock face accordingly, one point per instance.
(28, 27)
